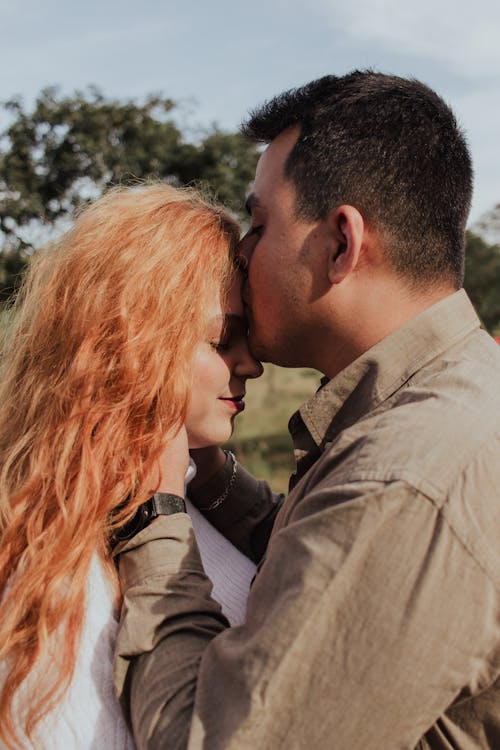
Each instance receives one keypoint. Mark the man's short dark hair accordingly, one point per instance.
(389, 146)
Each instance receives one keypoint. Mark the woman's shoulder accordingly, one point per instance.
(88, 717)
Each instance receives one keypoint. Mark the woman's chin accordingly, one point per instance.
(208, 439)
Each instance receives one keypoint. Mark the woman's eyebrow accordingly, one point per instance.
(226, 317)
(224, 321)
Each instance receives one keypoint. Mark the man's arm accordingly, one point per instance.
(356, 634)
(240, 506)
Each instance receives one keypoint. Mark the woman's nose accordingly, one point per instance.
(257, 368)
(248, 366)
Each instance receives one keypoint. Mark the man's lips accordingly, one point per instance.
(234, 402)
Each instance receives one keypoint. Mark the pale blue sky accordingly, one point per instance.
(220, 58)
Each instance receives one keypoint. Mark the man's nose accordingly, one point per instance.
(242, 263)
(241, 260)
(243, 254)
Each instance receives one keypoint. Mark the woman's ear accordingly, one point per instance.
(346, 228)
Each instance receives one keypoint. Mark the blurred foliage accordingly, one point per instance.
(68, 149)
(12, 265)
(482, 280)
(270, 458)
(488, 225)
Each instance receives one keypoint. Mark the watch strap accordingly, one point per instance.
(161, 504)
(164, 504)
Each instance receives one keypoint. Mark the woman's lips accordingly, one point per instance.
(236, 403)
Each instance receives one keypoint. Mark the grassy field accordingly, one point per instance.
(261, 440)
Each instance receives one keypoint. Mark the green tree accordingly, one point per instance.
(68, 149)
(12, 265)
(482, 280)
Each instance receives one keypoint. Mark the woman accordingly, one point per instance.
(119, 339)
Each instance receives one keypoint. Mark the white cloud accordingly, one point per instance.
(462, 38)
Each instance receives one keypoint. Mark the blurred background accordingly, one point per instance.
(110, 92)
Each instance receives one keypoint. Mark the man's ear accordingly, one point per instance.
(346, 228)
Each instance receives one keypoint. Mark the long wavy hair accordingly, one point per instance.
(96, 374)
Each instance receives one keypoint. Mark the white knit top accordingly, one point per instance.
(229, 570)
(89, 716)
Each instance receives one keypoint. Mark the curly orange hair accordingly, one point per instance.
(96, 375)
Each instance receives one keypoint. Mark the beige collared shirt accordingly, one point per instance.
(373, 622)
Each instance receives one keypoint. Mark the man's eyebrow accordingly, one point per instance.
(250, 203)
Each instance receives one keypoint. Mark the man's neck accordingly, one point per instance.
(378, 313)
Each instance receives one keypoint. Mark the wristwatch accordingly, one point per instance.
(161, 504)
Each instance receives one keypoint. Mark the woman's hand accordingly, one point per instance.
(173, 465)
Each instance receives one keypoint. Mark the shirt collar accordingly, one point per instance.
(383, 369)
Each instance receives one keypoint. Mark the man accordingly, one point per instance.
(373, 620)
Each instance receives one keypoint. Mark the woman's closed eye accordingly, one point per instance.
(235, 331)
(221, 346)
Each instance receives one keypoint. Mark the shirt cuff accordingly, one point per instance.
(166, 546)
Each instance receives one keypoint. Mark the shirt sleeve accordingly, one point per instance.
(352, 638)
(246, 515)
